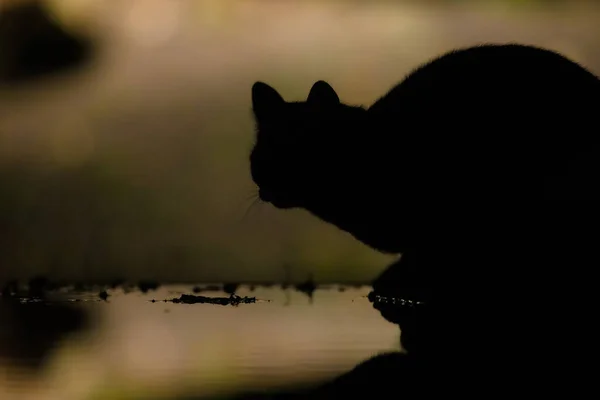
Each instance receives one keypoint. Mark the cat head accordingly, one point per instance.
(300, 147)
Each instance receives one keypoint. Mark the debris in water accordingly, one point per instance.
(224, 301)
(376, 298)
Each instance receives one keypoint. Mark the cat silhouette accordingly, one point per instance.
(474, 139)
(481, 168)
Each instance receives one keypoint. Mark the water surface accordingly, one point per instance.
(129, 347)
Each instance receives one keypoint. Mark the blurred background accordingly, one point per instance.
(125, 130)
(124, 148)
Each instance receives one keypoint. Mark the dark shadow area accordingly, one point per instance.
(30, 332)
(33, 325)
(35, 46)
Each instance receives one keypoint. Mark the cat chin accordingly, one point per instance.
(282, 205)
(278, 201)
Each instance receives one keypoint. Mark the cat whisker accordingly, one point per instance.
(250, 197)
(256, 200)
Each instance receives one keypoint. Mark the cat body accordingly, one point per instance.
(453, 135)
(481, 168)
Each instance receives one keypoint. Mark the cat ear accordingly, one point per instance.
(323, 94)
(265, 99)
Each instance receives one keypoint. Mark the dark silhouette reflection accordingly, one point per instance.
(34, 45)
(230, 287)
(481, 169)
(30, 332)
(145, 286)
(38, 286)
(307, 287)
